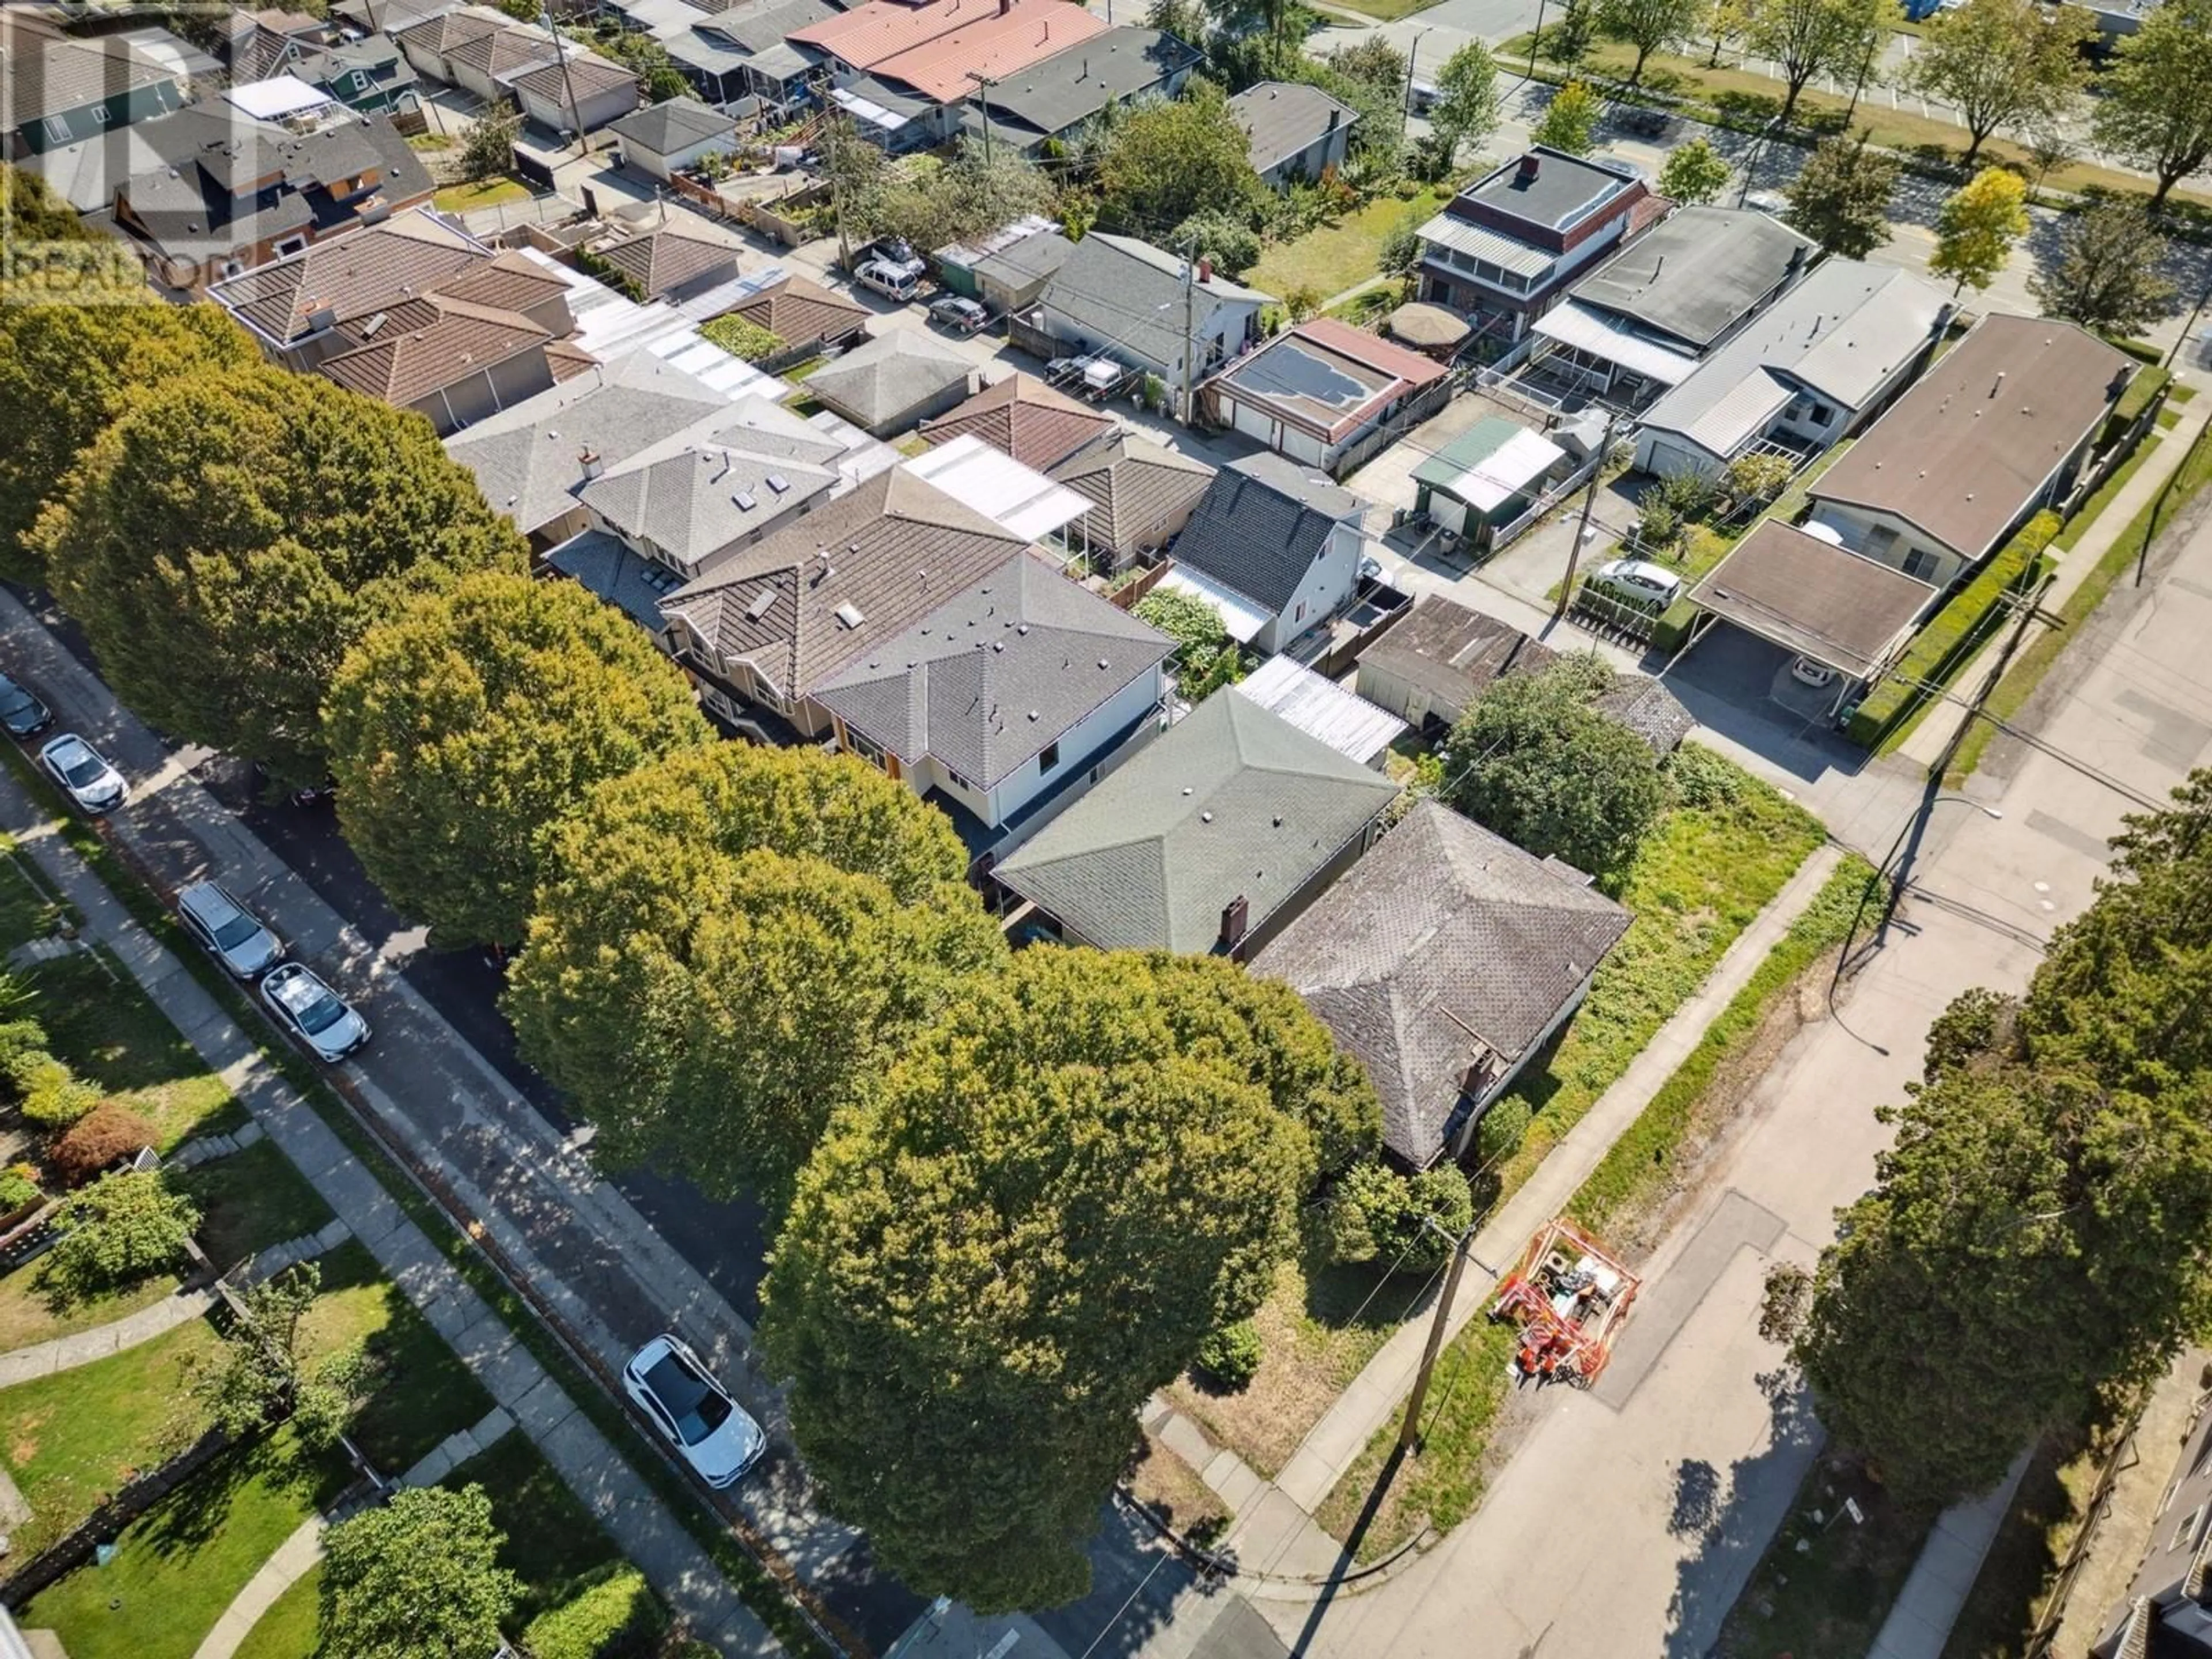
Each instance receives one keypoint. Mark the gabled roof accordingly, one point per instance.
(1075, 83)
(895, 372)
(1329, 377)
(697, 493)
(590, 74)
(1975, 442)
(988, 680)
(51, 77)
(506, 52)
(755, 26)
(797, 312)
(1453, 653)
(1131, 293)
(673, 124)
(1262, 523)
(1281, 118)
(668, 258)
(1812, 597)
(991, 45)
(1230, 802)
(447, 30)
(1842, 333)
(1023, 417)
(506, 280)
(425, 345)
(1693, 276)
(1135, 484)
(888, 554)
(351, 274)
(1443, 941)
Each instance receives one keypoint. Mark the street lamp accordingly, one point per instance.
(1534, 41)
(1413, 58)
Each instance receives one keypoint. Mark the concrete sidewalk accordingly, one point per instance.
(642, 1526)
(1344, 1431)
(1920, 1620)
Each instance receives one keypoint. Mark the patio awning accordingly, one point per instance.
(1239, 615)
(1588, 331)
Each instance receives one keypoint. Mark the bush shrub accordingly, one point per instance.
(18, 1189)
(53, 1097)
(1497, 1137)
(745, 340)
(1231, 1355)
(123, 1228)
(1377, 1215)
(20, 1039)
(1702, 778)
(2144, 388)
(1672, 631)
(609, 1613)
(95, 1141)
(1687, 494)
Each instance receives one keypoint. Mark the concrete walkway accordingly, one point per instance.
(673, 1562)
(1344, 1431)
(66, 1353)
(1920, 1620)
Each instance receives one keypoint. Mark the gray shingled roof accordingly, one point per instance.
(1281, 118)
(1261, 525)
(672, 124)
(987, 680)
(1131, 293)
(1442, 930)
(1231, 802)
(898, 371)
(1694, 275)
(700, 492)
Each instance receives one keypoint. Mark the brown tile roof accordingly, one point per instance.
(1964, 452)
(1135, 484)
(667, 258)
(797, 312)
(1023, 417)
(892, 551)
(568, 360)
(507, 282)
(350, 274)
(1810, 596)
(592, 75)
(443, 32)
(425, 345)
(504, 51)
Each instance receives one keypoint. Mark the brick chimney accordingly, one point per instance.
(1236, 916)
(1205, 267)
(1530, 167)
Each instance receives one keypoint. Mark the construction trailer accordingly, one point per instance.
(1569, 1296)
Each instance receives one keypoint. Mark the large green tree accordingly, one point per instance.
(2042, 1227)
(2109, 275)
(417, 1577)
(1163, 162)
(1649, 26)
(1806, 37)
(1031, 1226)
(1977, 226)
(1571, 120)
(729, 943)
(1467, 110)
(228, 539)
(2155, 107)
(1533, 760)
(65, 371)
(2003, 64)
(1695, 173)
(463, 729)
(1841, 198)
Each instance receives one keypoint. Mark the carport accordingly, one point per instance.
(1815, 599)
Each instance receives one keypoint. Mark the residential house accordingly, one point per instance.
(674, 135)
(1487, 479)
(1641, 322)
(534, 460)
(1019, 500)
(389, 16)
(1007, 270)
(1438, 657)
(893, 382)
(1209, 841)
(1996, 428)
(65, 92)
(1022, 416)
(1127, 300)
(297, 306)
(745, 51)
(583, 93)
(257, 45)
(672, 260)
(431, 42)
(769, 629)
(1296, 130)
(1807, 372)
(1321, 709)
(695, 498)
(1058, 97)
(1141, 495)
(1274, 546)
(806, 317)
(1509, 245)
(1012, 692)
(449, 360)
(488, 63)
(1327, 394)
(211, 190)
(1443, 961)
(2168, 1608)
(371, 74)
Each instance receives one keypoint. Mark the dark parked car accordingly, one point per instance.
(20, 711)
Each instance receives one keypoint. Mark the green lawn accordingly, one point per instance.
(1331, 258)
(72, 1439)
(27, 911)
(550, 1537)
(482, 193)
(27, 1316)
(1832, 1597)
(287, 1631)
(250, 1201)
(177, 1567)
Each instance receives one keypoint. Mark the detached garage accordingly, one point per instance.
(667, 139)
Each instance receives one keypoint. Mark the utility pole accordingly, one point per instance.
(568, 80)
(1866, 68)
(1589, 500)
(2030, 608)
(1189, 322)
(984, 85)
(1534, 41)
(1409, 1429)
(1412, 59)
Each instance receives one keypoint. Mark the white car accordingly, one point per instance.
(714, 1434)
(84, 772)
(1818, 674)
(228, 930)
(318, 1016)
(1638, 581)
(893, 282)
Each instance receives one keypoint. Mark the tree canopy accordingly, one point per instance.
(1649, 26)
(729, 943)
(2003, 64)
(1807, 38)
(1467, 110)
(64, 373)
(1841, 199)
(1978, 225)
(976, 190)
(228, 539)
(2109, 275)
(1033, 1223)
(417, 1576)
(1695, 173)
(463, 729)
(1163, 162)
(1571, 120)
(1533, 760)
(2155, 106)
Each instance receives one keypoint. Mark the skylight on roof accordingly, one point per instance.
(763, 602)
(850, 614)
(746, 500)
(778, 483)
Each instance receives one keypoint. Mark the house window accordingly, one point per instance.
(290, 245)
(2185, 1535)
(57, 129)
(1821, 414)
(1049, 759)
(1922, 563)
(101, 114)
(871, 752)
(1299, 614)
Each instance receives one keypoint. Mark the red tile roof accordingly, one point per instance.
(1023, 417)
(931, 47)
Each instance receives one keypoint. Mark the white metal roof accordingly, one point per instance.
(1019, 500)
(1576, 325)
(865, 109)
(608, 325)
(1506, 470)
(1473, 240)
(1321, 707)
(278, 97)
(1239, 615)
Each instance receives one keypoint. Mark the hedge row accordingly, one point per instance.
(2145, 388)
(1957, 630)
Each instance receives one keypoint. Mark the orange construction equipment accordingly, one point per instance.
(1569, 1296)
